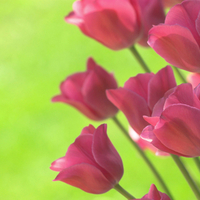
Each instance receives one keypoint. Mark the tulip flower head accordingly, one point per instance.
(139, 95)
(154, 194)
(86, 92)
(116, 24)
(175, 126)
(178, 39)
(91, 162)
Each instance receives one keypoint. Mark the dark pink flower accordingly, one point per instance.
(139, 95)
(194, 79)
(116, 24)
(154, 194)
(143, 144)
(178, 39)
(91, 162)
(175, 126)
(86, 92)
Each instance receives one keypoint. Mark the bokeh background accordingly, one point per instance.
(37, 51)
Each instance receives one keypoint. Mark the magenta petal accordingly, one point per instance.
(197, 23)
(106, 155)
(94, 90)
(148, 135)
(132, 105)
(159, 84)
(88, 130)
(139, 84)
(181, 14)
(183, 94)
(79, 106)
(194, 79)
(86, 177)
(59, 164)
(80, 151)
(179, 129)
(172, 43)
(197, 91)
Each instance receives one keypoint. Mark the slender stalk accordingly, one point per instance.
(139, 59)
(197, 162)
(123, 192)
(180, 74)
(187, 176)
(145, 158)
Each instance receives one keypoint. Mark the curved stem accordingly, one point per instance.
(180, 74)
(145, 158)
(139, 59)
(197, 162)
(187, 176)
(123, 192)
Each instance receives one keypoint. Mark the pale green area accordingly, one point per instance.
(38, 50)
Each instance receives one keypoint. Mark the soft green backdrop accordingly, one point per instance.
(38, 50)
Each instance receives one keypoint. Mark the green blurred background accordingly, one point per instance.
(38, 51)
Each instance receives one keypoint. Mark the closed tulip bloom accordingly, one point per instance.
(91, 162)
(178, 39)
(139, 95)
(194, 79)
(116, 24)
(86, 92)
(154, 194)
(175, 126)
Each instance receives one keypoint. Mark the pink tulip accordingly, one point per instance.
(116, 24)
(194, 79)
(143, 144)
(175, 126)
(170, 3)
(154, 194)
(86, 92)
(91, 162)
(139, 95)
(178, 39)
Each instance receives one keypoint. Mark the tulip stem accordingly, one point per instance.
(197, 162)
(187, 176)
(139, 59)
(123, 192)
(142, 154)
(180, 74)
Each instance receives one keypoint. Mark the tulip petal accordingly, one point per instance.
(79, 106)
(172, 43)
(86, 177)
(197, 23)
(148, 135)
(59, 164)
(159, 84)
(94, 90)
(88, 130)
(132, 105)
(179, 129)
(183, 94)
(81, 151)
(194, 79)
(106, 155)
(181, 14)
(197, 91)
(139, 84)
(109, 30)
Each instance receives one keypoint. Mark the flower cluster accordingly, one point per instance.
(163, 116)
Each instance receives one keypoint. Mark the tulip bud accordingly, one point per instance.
(86, 92)
(91, 162)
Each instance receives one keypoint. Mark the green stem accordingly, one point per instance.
(180, 74)
(123, 192)
(139, 59)
(187, 176)
(145, 158)
(197, 162)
